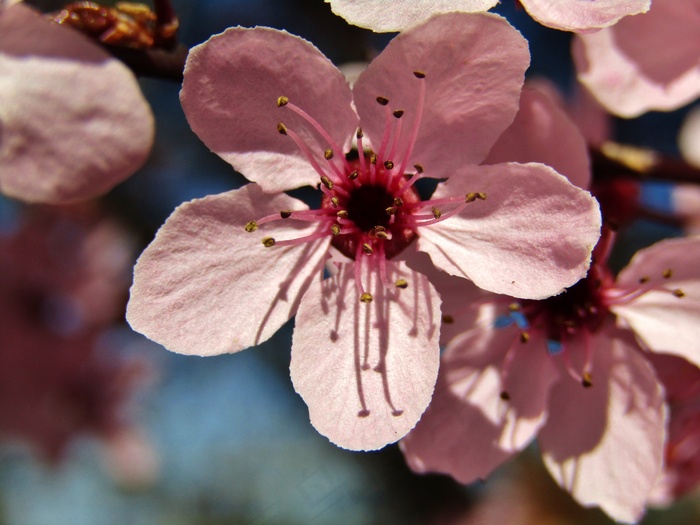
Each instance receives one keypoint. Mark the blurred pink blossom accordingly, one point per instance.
(567, 15)
(73, 120)
(645, 62)
(225, 272)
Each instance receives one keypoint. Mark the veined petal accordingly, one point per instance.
(631, 75)
(542, 132)
(205, 286)
(582, 15)
(230, 91)
(604, 444)
(73, 120)
(468, 429)
(667, 317)
(366, 370)
(382, 16)
(474, 66)
(530, 238)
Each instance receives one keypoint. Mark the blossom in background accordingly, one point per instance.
(63, 282)
(567, 15)
(225, 272)
(73, 120)
(630, 75)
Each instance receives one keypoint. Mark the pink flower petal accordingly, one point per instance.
(468, 430)
(664, 322)
(530, 238)
(205, 286)
(73, 120)
(604, 444)
(474, 66)
(630, 75)
(366, 371)
(582, 15)
(382, 16)
(542, 132)
(232, 83)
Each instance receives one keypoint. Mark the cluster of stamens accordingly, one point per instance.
(370, 207)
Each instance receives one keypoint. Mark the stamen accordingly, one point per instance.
(416, 121)
(402, 283)
(285, 214)
(342, 214)
(678, 293)
(327, 182)
(251, 226)
(667, 273)
(268, 242)
(304, 149)
(383, 101)
(367, 248)
(389, 165)
(328, 154)
(436, 212)
(398, 202)
(366, 298)
(471, 197)
(282, 101)
(335, 229)
(447, 319)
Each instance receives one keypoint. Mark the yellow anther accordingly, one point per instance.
(418, 168)
(514, 307)
(379, 229)
(398, 113)
(268, 242)
(251, 226)
(383, 101)
(678, 293)
(471, 197)
(524, 337)
(282, 101)
(366, 297)
(389, 165)
(353, 174)
(328, 154)
(335, 229)
(359, 133)
(644, 279)
(328, 183)
(382, 235)
(367, 248)
(667, 273)
(372, 158)
(281, 129)
(391, 210)
(587, 380)
(436, 213)
(286, 214)
(335, 201)
(398, 202)
(419, 74)
(448, 319)
(342, 214)
(401, 283)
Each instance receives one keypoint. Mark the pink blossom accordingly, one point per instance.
(645, 62)
(63, 281)
(567, 15)
(73, 120)
(225, 272)
(518, 373)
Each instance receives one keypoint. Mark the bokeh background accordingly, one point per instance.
(225, 439)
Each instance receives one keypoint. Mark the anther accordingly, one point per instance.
(251, 226)
(281, 129)
(328, 154)
(398, 113)
(366, 298)
(587, 380)
(372, 158)
(359, 133)
(389, 165)
(383, 101)
(268, 242)
(448, 319)
(335, 229)
(667, 273)
(505, 396)
(471, 197)
(418, 168)
(282, 101)
(643, 280)
(419, 74)
(328, 183)
(285, 214)
(678, 293)
(391, 210)
(398, 202)
(353, 175)
(342, 214)
(514, 307)
(382, 235)
(379, 229)
(335, 201)
(367, 248)
(436, 213)
(401, 283)
(524, 337)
